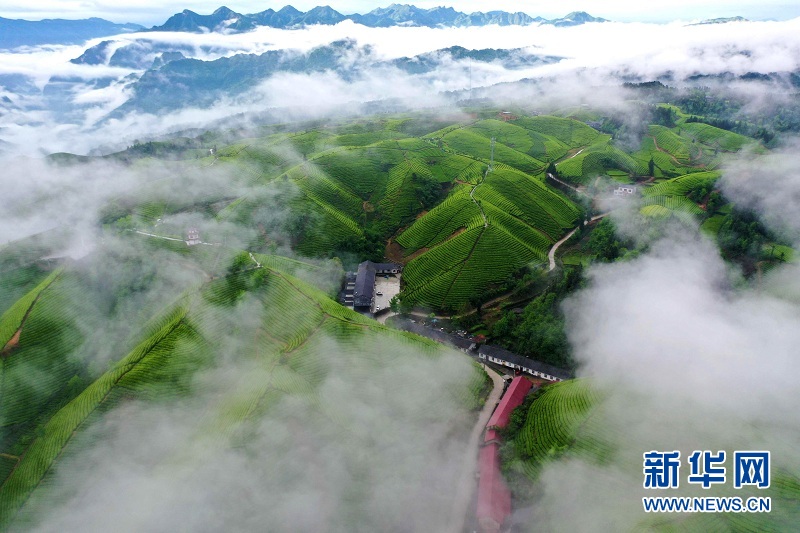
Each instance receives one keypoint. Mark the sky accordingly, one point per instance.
(153, 12)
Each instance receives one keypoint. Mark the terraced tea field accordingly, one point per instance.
(552, 426)
(566, 420)
(460, 256)
(348, 187)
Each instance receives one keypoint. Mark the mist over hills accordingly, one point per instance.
(615, 200)
(150, 74)
(181, 81)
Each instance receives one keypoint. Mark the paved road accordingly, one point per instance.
(552, 255)
(567, 184)
(466, 484)
(383, 316)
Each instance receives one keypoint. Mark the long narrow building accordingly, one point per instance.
(494, 496)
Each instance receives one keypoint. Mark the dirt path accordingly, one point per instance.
(472, 197)
(427, 315)
(577, 153)
(466, 484)
(674, 159)
(158, 236)
(382, 318)
(13, 342)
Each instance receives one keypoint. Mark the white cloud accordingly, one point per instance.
(596, 51)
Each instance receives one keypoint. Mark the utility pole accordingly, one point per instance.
(491, 160)
(470, 80)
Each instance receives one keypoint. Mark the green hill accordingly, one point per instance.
(458, 254)
(274, 338)
(564, 422)
(679, 194)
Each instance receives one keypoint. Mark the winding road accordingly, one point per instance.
(565, 184)
(551, 256)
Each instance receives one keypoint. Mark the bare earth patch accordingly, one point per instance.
(12, 343)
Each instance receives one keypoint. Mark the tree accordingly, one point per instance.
(476, 301)
(651, 167)
(603, 241)
(665, 116)
(429, 191)
(399, 305)
(714, 202)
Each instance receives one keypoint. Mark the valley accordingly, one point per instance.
(406, 269)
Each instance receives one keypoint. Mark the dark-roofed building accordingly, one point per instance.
(503, 357)
(365, 282)
(506, 116)
(346, 294)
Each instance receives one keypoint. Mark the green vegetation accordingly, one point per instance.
(571, 132)
(462, 254)
(565, 419)
(716, 137)
(155, 326)
(284, 354)
(539, 332)
(348, 188)
(598, 159)
(12, 319)
(549, 424)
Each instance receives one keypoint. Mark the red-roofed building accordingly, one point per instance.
(511, 399)
(494, 497)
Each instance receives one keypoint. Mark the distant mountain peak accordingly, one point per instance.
(722, 20)
(287, 9)
(575, 18)
(224, 10)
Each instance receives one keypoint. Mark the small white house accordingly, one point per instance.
(625, 190)
(193, 237)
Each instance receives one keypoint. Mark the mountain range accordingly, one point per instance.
(225, 19)
(174, 82)
(17, 32)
